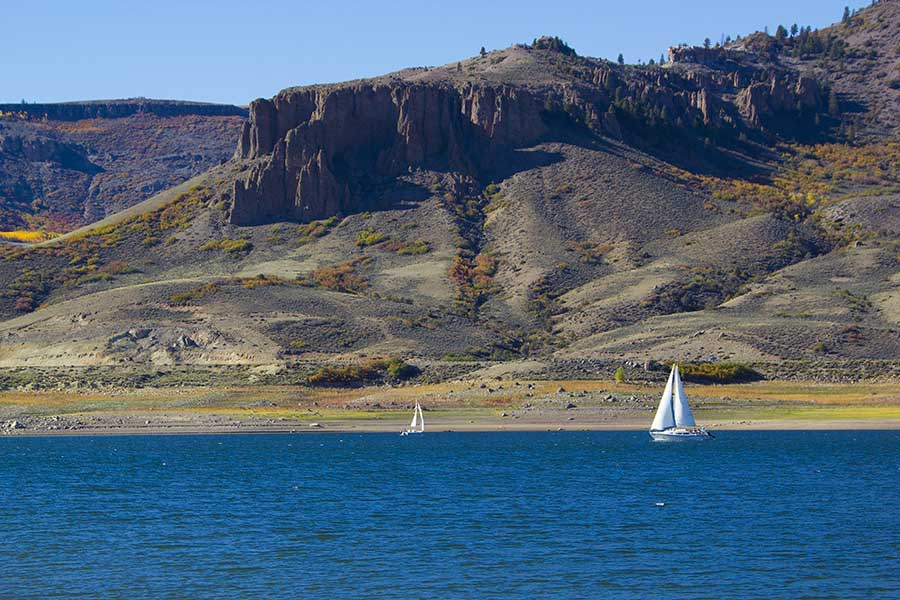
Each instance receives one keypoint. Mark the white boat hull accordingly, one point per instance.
(679, 434)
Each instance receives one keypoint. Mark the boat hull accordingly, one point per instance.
(680, 435)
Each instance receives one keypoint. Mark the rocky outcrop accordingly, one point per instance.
(315, 152)
(778, 95)
(313, 149)
(38, 149)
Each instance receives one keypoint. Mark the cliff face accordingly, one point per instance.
(310, 151)
(313, 146)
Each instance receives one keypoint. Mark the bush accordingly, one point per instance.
(314, 230)
(407, 248)
(620, 375)
(342, 376)
(720, 372)
(340, 278)
(228, 245)
(261, 280)
(368, 237)
(182, 298)
(354, 375)
(398, 369)
(25, 304)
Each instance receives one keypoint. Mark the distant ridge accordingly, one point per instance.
(113, 109)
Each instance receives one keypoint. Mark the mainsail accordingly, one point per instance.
(421, 418)
(683, 416)
(665, 414)
(415, 418)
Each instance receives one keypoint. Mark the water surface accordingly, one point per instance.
(487, 515)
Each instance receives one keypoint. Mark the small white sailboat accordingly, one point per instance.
(417, 425)
(674, 421)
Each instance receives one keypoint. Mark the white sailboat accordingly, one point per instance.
(674, 420)
(417, 425)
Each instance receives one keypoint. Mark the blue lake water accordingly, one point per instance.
(452, 515)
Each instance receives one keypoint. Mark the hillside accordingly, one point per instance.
(69, 164)
(527, 210)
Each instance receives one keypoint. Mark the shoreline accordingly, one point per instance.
(482, 426)
(474, 405)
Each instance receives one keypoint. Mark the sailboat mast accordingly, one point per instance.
(672, 397)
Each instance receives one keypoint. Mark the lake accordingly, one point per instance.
(452, 515)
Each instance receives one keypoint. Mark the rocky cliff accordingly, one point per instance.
(313, 146)
(310, 151)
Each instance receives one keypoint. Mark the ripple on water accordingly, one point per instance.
(557, 514)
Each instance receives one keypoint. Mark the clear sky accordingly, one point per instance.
(229, 51)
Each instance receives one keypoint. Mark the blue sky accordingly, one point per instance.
(229, 51)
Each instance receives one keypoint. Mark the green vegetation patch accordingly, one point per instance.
(719, 372)
(368, 237)
(228, 245)
(355, 375)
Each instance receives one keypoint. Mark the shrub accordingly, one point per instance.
(720, 372)
(204, 291)
(228, 245)
(407, 248)
(368, 237)
(25, 304)
(398, 369)
(620, 375)
(250, 283)
(354, 375)
(314, 230)
(340, 278)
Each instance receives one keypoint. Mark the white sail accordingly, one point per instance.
(415, 418)
(421, 418)
(665, 416)
(683, 416)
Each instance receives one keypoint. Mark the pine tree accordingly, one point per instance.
(706, 43)
(781, 33)
(483, 52)
(794, 30)
(621, 59)
(662, 59)
(846, 16)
